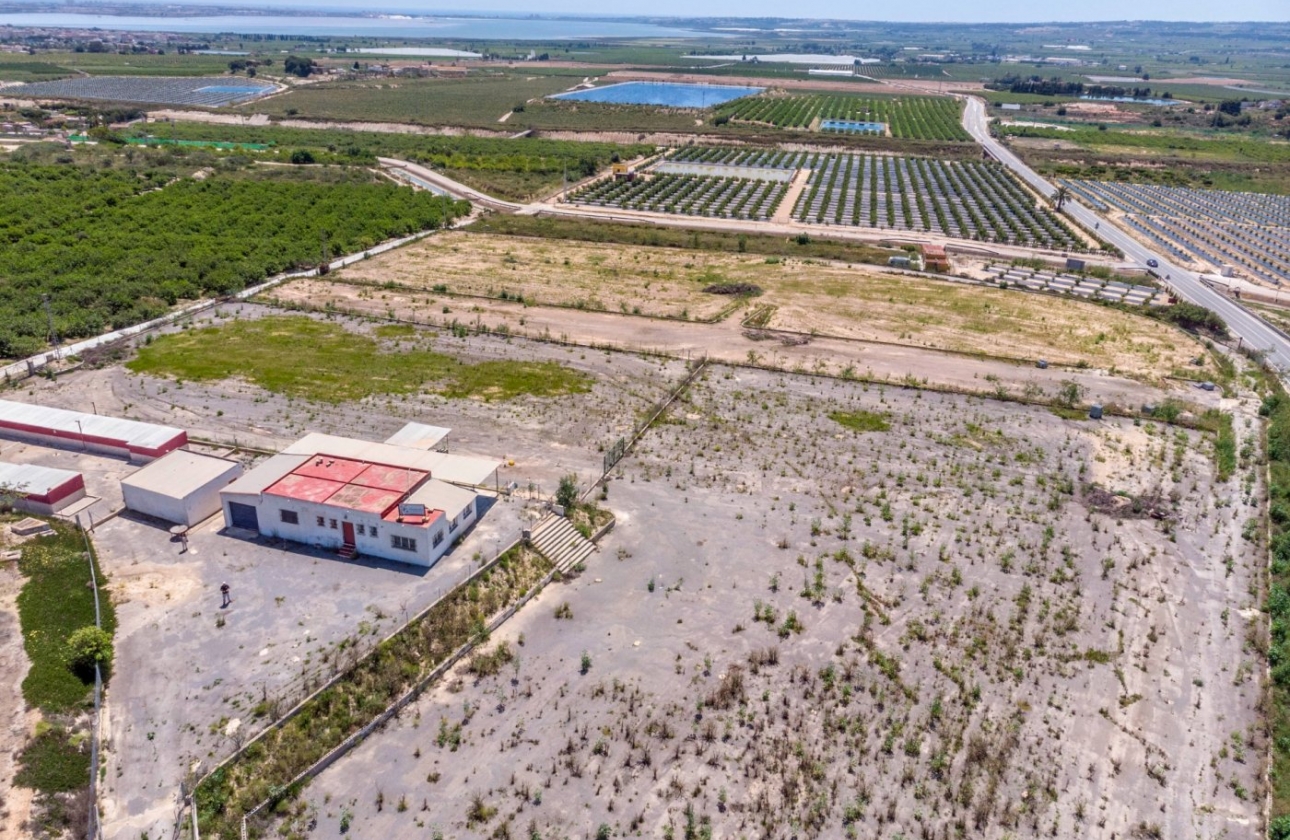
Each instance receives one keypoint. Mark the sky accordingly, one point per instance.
(974, 11)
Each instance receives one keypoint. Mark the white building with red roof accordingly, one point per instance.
(382, 500)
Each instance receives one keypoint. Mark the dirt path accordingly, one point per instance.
(15, 803)
(784, 213)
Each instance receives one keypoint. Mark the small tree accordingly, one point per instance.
(87, 647)
(567, 495)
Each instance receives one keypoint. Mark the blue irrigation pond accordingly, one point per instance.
(667, 94)
(1133, 100)
(853, 127)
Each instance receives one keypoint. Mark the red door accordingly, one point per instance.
(348, 531)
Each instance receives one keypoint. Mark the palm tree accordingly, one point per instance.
(1060, 196)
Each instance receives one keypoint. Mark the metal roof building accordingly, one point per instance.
(109, 435)
(38, 489)
(420, 436)
(359, 497)
(181, 487)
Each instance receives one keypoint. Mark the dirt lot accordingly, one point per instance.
(188, 676)
(985, 620)
(821, 299)
(953, 495)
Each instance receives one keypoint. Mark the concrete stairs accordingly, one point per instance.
(560, 542)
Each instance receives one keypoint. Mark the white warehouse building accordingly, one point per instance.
(399, 503)
(181, 487)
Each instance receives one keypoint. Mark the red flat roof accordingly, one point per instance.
(348, 483)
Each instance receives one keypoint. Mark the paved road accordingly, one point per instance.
(1186, 284)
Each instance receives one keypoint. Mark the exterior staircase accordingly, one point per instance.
(560, 542)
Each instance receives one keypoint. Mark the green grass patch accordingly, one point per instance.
(504, 380)
(55, 601)
(55, 761)
(395, 331)
(1225, 447)
(861, 421)
(319, 360)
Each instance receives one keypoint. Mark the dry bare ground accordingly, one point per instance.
(15, 720)
(824, 299)
(984, 621)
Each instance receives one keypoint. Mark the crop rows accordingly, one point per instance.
(963, 200)
(1248, 230)
(691, 195)
(909, 117)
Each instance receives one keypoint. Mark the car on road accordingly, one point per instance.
(1153, 264)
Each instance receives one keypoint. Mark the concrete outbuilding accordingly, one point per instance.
(182, 488)
(42, 490)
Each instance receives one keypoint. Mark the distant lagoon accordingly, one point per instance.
(339, 26)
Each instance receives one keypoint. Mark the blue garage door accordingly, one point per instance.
(243, 516)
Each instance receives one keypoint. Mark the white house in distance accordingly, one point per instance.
(382, 500)
(181, 487)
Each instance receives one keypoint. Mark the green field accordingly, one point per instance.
(317, 360)
(477, 101)
(25, 68)
(909, 117)
(113, 247)
(514, 169)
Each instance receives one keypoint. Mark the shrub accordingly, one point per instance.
(87, 647)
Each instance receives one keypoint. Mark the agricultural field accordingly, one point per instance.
(1155, 156)
(507, 280)
(1248, 231)
(115, 246)
(202, 92)
(477, 101)
(924, 611)
(965, 200)
(510, 169)
(907, 117)
(691, 195)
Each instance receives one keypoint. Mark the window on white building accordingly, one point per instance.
(289, 516)
(403, 543)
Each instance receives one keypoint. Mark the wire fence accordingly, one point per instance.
(94, 828)
(313, 682)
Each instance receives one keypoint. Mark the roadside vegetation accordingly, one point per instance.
(303, 357)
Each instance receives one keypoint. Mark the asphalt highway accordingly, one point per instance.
(1252, 330)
